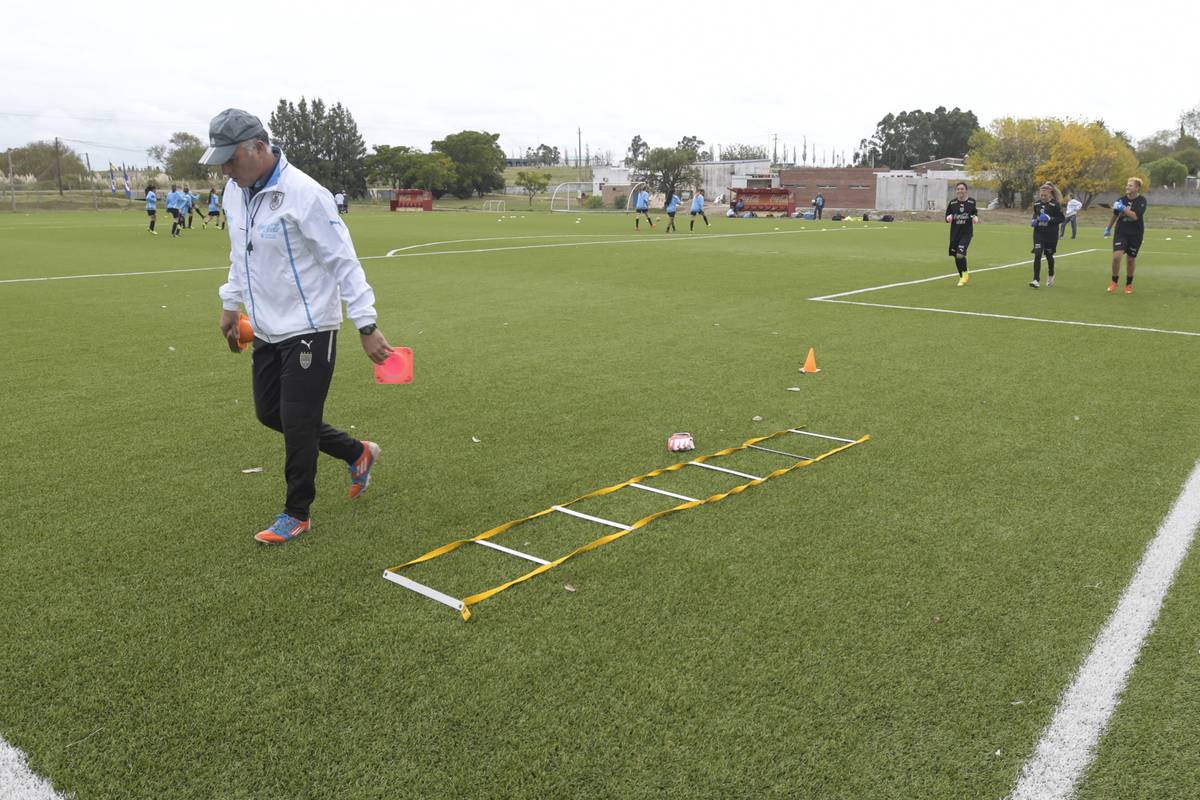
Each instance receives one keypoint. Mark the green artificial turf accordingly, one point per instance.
(897, 621)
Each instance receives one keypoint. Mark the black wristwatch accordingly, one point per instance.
(367, 330)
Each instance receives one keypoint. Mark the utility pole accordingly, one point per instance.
(92, 178)
(58, 165)
(579, 152)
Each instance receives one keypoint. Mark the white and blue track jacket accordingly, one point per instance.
(292, 263)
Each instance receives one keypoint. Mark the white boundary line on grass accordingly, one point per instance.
(834, 298)
(398, 254)
(391, 253)
(943, 277)
(1020, 318)
(111, 275)
(629, 240)
(18, 781)
(1068, 744)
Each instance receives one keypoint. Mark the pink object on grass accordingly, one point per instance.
(398, 368)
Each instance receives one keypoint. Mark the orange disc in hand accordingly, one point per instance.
(245, 332)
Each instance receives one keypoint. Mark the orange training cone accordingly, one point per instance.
(810, 363)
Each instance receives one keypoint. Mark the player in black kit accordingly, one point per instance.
(1047, 216)
(962, 216)
(1129, 215)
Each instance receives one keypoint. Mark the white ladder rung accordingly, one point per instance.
(420, 588)
(822, 436)
(590, 518)
(664, 491)
(723, 469)
(779, 452)
(511, 552)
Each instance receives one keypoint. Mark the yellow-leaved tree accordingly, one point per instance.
(1006, 155)
(1088, 159)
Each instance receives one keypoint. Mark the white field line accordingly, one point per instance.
(1018, 318)
(501, 239)
(1068, 744)
(396, 254)
(17, 781)
(943, 277)
(630, 240)
(112, 275)
(832, 298)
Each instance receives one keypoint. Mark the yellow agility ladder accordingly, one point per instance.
(464, 605)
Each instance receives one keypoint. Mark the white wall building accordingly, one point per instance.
(903, 190)
(718, 177)
(616, 176)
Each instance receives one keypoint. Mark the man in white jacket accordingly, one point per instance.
(1071, 218)
(292, 264)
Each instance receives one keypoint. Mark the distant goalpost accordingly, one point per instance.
(633, 190)
(565, 198)
(494, 205)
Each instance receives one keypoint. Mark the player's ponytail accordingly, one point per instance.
(1054, 191)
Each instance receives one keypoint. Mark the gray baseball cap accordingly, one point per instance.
(226, 131)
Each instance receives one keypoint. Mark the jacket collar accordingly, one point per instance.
(281, 164)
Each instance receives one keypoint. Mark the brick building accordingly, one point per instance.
(843, 187)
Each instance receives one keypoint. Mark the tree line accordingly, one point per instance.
(324, 142)
(1013, 155)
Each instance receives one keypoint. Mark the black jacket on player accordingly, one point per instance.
(961, 213)
(1133, 228)
(1047, 230)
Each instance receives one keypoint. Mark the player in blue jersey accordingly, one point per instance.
(697, 208)
(151, 206)
(214, 208)
(173, 203)
(672, 207)
(641, 205)
(190, 200)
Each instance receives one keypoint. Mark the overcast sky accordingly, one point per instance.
(113, 78)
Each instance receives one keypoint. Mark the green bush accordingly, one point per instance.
(619, 202)
(1166, 172)
(593, 202)
(1190, 157)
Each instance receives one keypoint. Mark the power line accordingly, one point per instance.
(106, 146)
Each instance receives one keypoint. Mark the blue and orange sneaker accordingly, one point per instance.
(283, 529)
(360, 470)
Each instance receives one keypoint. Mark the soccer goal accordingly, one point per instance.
(494, 205)
(633, 192)
(569, 196)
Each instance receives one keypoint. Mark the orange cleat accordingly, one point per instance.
(360, 470)
(1129, 288)
(1112, 287)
